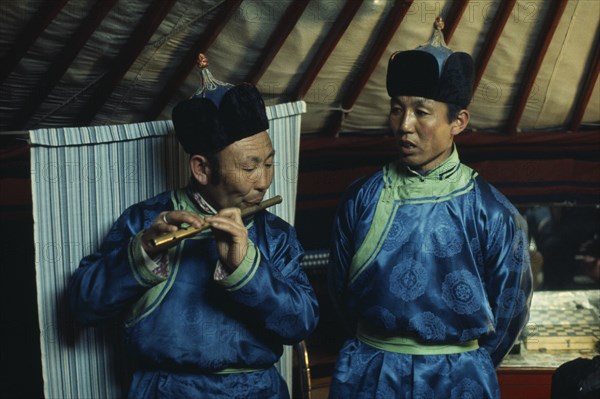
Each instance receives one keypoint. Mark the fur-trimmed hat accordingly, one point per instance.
(218, 115)
(432, 71)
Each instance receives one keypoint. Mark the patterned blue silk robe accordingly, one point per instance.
(442, 259)
(187, 332)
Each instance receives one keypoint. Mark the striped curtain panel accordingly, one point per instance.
(82, 180)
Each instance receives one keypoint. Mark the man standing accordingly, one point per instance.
(208, 316)
(429, 265)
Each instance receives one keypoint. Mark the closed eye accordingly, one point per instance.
(396, 111)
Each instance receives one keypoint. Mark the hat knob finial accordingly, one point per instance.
(439, 23)
(202, 61)
(437, 37)
(209, 86)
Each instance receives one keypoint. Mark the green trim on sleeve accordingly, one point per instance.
(138, 265)
(154, 296)
(245, 271)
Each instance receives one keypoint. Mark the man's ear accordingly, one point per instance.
(200, 168)
(461, 122)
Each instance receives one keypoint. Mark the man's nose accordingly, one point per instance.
(264, 180)
(407, 123)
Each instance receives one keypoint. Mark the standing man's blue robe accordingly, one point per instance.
(190, 334)
(435, 259)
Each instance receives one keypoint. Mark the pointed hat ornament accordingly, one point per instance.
(218, 114)
(436, 45)
(209, 87)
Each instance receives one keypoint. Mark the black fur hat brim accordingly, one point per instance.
(417, 73)
(203, 128)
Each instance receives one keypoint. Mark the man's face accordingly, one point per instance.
(422, 131)
(246, 172)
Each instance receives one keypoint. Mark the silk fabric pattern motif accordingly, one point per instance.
(185, 330)
(440, 258)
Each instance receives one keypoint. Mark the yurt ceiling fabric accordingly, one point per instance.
(95, 62)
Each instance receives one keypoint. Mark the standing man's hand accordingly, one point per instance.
(231, 236)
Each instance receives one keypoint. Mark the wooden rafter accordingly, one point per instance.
(120, 65)
(278, 37)
(591, 76)
(380, 43)
(62, 62)
(224, 14)
(535, 61)
(29, 35)
(325, 49)
(497, 26)
(453, 17)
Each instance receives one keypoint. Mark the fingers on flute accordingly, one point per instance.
(231, 213)
(174, 219)
(228, 220)
(227, 215)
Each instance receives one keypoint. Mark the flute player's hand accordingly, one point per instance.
(167, 222)
(231, 236)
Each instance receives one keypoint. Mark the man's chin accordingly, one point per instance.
(408, 161)
(411, 164)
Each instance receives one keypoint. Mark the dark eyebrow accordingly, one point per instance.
(257, 159)
(422, 102)
(415, 102)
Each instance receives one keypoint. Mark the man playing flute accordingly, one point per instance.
(206, 316)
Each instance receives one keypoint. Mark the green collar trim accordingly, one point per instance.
(448, 180)
(443, 171)
(183, 202)
(405, 187)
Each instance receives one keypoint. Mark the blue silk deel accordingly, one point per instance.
(190, 333)
(441, 259)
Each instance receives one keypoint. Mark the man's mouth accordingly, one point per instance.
(406, 147)
(253, 201)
